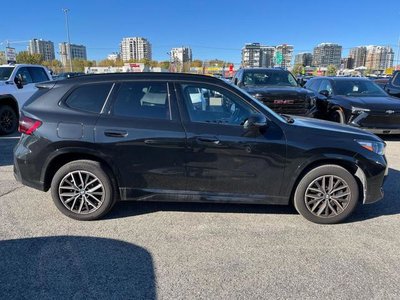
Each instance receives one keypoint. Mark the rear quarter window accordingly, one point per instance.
(89, 98)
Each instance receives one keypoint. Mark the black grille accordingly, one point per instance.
(287, 105)
(381, 121)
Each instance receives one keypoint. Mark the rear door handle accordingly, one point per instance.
(116, 133)
(208, 140)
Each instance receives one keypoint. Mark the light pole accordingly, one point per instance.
(66, 10)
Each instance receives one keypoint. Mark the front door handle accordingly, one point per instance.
(208, 140)
(116, 133)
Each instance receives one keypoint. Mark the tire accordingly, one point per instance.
(332, 206)
(82, 190)
(8, 120)
(337, 116)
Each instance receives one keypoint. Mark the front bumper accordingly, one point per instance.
(377, 123)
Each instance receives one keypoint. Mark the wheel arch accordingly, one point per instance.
(53, 163)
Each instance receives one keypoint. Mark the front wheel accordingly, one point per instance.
(337, 116)
(8, 120)
(82, 190)
(326, 195)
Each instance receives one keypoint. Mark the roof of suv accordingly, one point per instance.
(143, 75)
(21, 65)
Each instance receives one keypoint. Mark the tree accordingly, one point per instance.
(54, 65)
(80, 64)
(197, 63)
(331, 70)
(164, 65)
(24, 57)
(298, 69)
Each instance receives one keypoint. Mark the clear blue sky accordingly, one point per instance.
(212, 28)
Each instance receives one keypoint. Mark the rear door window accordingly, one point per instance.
(142, 100)
(89, 98)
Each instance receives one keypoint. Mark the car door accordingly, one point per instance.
(28, 87)
(223, 159)
(142, 133)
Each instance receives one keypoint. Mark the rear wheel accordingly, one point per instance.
(327, 194)
(82, 190)
(8, 120)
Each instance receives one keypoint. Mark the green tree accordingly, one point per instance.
(54, 65)
(298, 69)
(80, 64)
(197, 63)
(24, 57)
(164, 64)
(331, 70)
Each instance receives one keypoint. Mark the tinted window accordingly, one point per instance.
(89, 98)
(358, 88)
(26, 76)
(269, 77)
(313, 84)
(396, 79)
(213, 105)
(5, 72)
(38, 74)
(142, 100)
(325, 86)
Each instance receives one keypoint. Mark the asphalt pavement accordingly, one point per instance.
(195, 251)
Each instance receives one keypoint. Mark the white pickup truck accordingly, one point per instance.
(17, 84)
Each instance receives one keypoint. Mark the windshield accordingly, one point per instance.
(279, 117)
(269, 77)
(5, 73)
(358, 88)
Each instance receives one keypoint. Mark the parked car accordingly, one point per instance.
(182, 137)
(17, 84)
(302, 80)
(278, 89)
(392, 87)
(358, 102)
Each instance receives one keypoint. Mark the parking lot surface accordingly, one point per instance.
(204, 251)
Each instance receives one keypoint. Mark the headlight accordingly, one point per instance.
(359, 110)
(377, 147)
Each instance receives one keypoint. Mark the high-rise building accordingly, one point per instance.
(256, 55)
(44, 48)
(304, 59)
(358, 56)
(76, 51)
(379, 57)
(135, 48)
(283, 56)
(181, 55)
(326, 54)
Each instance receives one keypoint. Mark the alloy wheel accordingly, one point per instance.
(327, 196)
(7, 120)
(81, 192)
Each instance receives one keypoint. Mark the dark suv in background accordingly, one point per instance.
(97, 139)
(392, 87)
(278, 89)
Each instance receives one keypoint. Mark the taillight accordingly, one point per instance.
(28, 125)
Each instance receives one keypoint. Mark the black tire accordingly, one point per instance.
(8, 120)
(337, 115)
(307, 200)
(83, 204)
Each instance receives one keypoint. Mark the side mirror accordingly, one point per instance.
(325, 93)
(255, 121)
(19, 81)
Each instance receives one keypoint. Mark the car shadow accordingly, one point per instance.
(389, 205)
(7, 144)
(390, 138)
(75, 267)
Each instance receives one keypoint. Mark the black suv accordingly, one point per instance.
(97, 139)
(278, 89)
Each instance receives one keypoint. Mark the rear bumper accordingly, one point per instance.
(26, 180)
